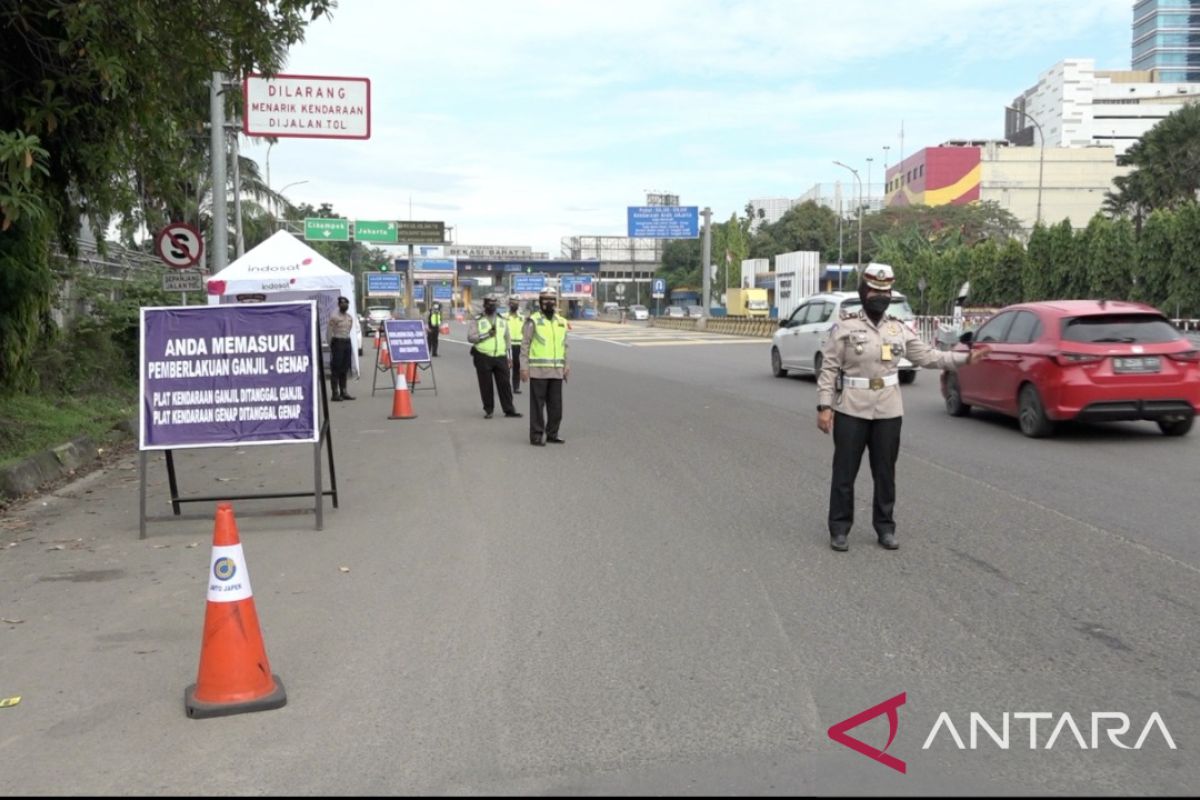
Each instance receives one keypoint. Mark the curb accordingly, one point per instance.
(40, 469)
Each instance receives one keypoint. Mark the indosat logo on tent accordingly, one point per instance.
(278, 267)
(1007, 730)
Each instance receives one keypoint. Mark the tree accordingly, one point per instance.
(807, 226)
(1110, 259)
(1166, 167)
(1154, 259)
(1061, 262)
(104, 99)
(1183, 299)
(1036, 273)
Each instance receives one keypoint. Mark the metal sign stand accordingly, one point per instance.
(379, 367)
(427, 366)
(318, 494)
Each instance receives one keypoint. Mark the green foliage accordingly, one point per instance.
(1036, 272)
(103, 111)
(1166, 167)
(1184, 295)
(1154, 259)
(807, 226)
(26, 286)
(1110, 259)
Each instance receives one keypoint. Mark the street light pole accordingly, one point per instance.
(858, 267)
(285, 188)
(1041, 157)
(869, 160)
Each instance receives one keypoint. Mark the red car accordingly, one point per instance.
(1087, 360)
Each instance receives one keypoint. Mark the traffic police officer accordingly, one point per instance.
(516, 330)
(341, 357)
(491, 353)
(544, 365)
(433, 328)
(858, 399)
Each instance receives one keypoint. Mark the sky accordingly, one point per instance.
(525, 121)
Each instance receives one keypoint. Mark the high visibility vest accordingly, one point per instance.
(435, 319)
(493, 345)
(515, 328)
(548, 346)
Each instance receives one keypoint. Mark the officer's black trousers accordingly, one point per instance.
(516, 371)
(487, 369)
(850, 436)
(341, 359)
(432, 338)
(545, 407)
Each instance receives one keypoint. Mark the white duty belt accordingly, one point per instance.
(871, 383)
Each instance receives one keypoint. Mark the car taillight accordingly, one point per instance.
(1075, 359)
(1187, 356)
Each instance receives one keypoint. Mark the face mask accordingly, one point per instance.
(512, 309)
(876, 304)
(548, 309)
(489, 308)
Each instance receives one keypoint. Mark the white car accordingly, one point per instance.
(639, 312)
(797, 344)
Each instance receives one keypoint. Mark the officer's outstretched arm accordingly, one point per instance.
(921, 354)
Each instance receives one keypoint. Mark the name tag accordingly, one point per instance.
(887, 352)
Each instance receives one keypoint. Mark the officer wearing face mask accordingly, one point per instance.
(858, 400)
(489, 335)
(544, 366)
(516, 330)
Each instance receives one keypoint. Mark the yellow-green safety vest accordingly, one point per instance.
(493, 345)
(548, 345)
(435, 319)
(515, 328)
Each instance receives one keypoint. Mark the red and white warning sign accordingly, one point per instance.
(179, 245)
(307, 106)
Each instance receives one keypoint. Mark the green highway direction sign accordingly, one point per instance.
(321, 229)
(366, 230)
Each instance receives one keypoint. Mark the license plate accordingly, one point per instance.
(1137, 364)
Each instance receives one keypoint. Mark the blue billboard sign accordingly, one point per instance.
(433, 267)
(418, 293)
(443, 291)
(384, 284)
(575, 286)
(658, 289)
(528, 284)
(664, 222)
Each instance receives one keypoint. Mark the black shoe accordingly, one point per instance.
(516, 391)
(487, 415)
(513, 414)
(555, 440)
(337, 398)
(346, 397)
(838, 542)
(537, 443)
(888, 541)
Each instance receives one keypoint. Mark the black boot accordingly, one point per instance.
(838, 542)
(345, 394)
(888, 541)
(336, 394)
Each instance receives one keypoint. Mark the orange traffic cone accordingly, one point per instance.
(385, 358)
(412, 369)
(234, 676)
(402, 398)
(377, 338)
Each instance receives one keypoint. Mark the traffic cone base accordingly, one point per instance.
(402, 399)
(234, 675)
(197, 709)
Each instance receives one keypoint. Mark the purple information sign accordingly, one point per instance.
(406, 340)
(221, 376)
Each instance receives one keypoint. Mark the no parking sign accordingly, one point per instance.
(179, 245)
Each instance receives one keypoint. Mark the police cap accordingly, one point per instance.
(879, 276)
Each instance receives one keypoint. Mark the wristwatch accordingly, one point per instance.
(823, 408)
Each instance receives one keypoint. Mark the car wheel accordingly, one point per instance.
(1175, 427)
(907, 376)
(955, 406)
(1032, 415)
(777, 364)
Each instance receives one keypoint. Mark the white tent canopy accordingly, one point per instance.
(284, 268)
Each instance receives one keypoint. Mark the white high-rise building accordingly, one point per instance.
(1078, 105)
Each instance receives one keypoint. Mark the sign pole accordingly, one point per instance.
(706, 266)
(220, 213)
(408, 283)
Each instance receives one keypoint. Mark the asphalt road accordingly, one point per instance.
(651, 608)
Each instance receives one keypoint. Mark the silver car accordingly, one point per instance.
(797, 344)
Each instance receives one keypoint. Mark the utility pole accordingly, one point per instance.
(706, 259)
(220, 213)
(239, 239)
(854, 172)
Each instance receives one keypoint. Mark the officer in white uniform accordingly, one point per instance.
(858, 399)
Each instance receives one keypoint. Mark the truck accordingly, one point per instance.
(747, 303)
